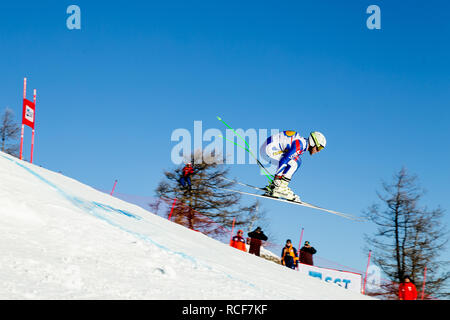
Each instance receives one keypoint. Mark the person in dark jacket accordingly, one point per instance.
(186, 173)
(256, 238)
(306, 254)
(289, 257)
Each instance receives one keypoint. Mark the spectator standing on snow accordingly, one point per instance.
(306, 254)
(238, 241)
(256, 238)
(407, 290)
(289, 257)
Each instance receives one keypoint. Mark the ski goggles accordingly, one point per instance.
(318, 145)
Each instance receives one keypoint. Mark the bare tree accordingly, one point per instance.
(206, 207)
(408, 237)
(9, 133)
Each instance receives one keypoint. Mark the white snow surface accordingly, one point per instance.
(61, 239)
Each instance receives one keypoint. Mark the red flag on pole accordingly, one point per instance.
(28, 113)
(28, 118)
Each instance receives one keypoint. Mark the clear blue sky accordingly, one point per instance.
(110, 95)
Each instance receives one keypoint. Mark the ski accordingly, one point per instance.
(243, 184)
(300, 203)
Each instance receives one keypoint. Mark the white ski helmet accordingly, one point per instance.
(317, 139)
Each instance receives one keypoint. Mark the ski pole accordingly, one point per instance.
(258, 162)
(268, 175)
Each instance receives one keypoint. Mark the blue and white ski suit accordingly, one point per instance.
(286, 147)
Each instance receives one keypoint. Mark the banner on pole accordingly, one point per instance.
(345, 279)
(28, 113)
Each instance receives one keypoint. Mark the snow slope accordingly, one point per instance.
(61, 239)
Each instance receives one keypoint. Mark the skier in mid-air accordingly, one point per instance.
(286, 147)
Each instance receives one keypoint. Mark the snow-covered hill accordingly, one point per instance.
(61, 239)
